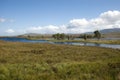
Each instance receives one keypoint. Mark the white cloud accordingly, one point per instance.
(79, 22)
(47, 29)
(10, 31)
(109, 19)
(111, 16)
(2, 20)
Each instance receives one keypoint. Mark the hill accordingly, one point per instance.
(109, 33)
(113, 30)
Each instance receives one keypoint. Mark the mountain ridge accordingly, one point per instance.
(106, 32)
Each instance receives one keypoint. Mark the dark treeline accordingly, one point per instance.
(62, 36)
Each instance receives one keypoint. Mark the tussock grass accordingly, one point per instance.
(37, 61)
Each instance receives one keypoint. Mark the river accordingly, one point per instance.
(14, 39)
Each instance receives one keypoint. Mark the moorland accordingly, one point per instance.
(38, 61)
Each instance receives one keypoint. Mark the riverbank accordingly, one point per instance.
(90, 41)
(101, 41)
(67, 42)
(37, 61)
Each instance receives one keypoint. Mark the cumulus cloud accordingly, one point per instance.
(109, 19)
(2, 20)
(10, 31)
(47, 29)
(111, 16)
(78, 23)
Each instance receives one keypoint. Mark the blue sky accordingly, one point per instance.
(52, 16)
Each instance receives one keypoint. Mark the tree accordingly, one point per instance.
(62, 36)
(68, 37)
(85, 36)
(97, 34)
(56, 36)
(29, 36)
(59, 36)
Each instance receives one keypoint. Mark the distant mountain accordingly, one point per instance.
(106, 31)
(31, 34)
(35, 35)
(109, 33)
(113, 30)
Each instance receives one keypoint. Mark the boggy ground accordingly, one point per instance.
(37, 61)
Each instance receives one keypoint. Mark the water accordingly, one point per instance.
(115, 46)
(14, 39)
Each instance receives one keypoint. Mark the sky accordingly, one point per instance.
(57, 16)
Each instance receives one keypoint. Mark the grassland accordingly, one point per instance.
(37, 61)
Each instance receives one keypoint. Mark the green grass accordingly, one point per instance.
(37, 61)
